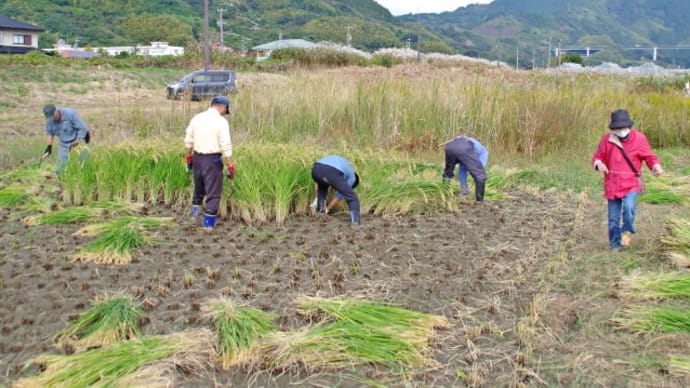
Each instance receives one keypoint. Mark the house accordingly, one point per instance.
(17, 37)
(263, 51)
(159, 48)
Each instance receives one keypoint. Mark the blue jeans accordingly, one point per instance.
(626, 207)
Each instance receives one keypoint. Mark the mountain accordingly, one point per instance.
(625, 30)
(245, 22)
(513, 31)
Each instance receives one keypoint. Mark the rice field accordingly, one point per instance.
(107, 281)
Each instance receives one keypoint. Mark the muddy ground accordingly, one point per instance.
(527, 281)
(481, 269)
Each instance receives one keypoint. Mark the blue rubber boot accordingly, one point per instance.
(209, 221)
(354, 218)
(196, 210)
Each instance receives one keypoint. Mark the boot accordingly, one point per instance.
(321, 206)
(354, 218)
(479, 191)
(196, 209)
(209, 221)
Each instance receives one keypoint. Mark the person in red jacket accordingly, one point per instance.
(619, 157)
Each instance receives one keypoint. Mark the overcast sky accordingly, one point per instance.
(403, 7)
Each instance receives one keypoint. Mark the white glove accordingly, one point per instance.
(657, 170)
(313, 204)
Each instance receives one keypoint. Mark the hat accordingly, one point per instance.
(620, 119)
(49, 111)
(356, 181)
(222, 100)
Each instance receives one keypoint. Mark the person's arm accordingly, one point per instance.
(462, 178)
(649, 157)
(79, 125)
(600, 156)
(332, 204)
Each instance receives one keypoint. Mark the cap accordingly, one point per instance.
(49, 111)
(222, 100)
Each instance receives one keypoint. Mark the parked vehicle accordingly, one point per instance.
(202, 84)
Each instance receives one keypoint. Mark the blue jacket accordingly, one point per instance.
(481, 152)
(342, 164)
(69, 128)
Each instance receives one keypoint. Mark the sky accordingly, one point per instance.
(403, 7)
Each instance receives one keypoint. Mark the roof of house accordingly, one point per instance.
(284, 43)
(9, 23)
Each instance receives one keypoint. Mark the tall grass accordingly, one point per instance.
(272, 181)
(111, 318)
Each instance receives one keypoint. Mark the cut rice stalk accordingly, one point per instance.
(112, 318)
(239, 329)
(121, 362)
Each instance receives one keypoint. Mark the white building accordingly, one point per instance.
(17, 37)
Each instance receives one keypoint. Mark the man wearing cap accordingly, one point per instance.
(619, 157)
(336, 171)
(472, 157)
(69, 128)
(207, 141)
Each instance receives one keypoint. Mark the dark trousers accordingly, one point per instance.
(462, 151)
(208, 181)
(326, 176)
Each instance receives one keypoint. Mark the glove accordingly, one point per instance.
(657, 170)
(601, 167)
(231, 172)
(48, 151)
(190, 165)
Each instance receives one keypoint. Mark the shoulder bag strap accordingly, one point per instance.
(627, 159)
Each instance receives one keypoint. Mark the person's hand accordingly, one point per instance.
(313, 204)
(657, 170)
(190, 163)
(48, 151)
(231, 172)
(601, 167)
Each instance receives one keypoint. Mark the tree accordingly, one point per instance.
(147, 28)
(573, 58)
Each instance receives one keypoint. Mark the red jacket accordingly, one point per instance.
(621, 179)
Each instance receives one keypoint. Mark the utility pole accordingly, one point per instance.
(207, 48)
(517, 58)
(548, 60)
(220, 24)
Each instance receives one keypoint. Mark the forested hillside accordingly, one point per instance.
(625, 29)
(513, 31)
(245, 22)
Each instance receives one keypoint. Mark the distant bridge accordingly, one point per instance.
(656, 48)
(582, 50)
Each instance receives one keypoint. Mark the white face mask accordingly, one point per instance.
(621, 132)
